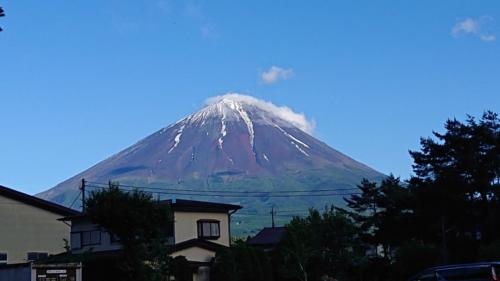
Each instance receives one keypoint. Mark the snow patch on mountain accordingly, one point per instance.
(291, 137)
(300, 149)
(265, 157)
(248, 122)
(223, 131)
(177, 138)
(282, 112)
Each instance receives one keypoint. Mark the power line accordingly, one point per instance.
(74, 201)
(268, 194)
(226, 191)
(267, 215)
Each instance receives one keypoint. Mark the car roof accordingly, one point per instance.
(454, 266)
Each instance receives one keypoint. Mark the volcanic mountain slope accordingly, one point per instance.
(235, 143)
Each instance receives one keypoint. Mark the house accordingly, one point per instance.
(198, 231)
(268, 238)
(30, 229)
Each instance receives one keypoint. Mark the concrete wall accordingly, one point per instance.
(24, 228)
(186, 227)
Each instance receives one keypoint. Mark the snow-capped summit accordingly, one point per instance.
(233, 140)
(245, 110)
(235, 107)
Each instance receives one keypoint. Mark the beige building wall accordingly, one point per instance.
(186, 227)
(24, 228)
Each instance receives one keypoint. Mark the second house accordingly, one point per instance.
(198, 231)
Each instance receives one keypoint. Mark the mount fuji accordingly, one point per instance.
(235, 143)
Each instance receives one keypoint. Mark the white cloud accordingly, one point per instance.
(467, 26)
(274, 74)
(299, 120)
(474, 27)
(488, 38)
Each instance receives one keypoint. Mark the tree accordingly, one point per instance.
(141, 223)
(394, 223)
(297, 249)
(461, 171)
(242, 262)
(365, 209)
(322, 245)
(382, 212)
(2, 14)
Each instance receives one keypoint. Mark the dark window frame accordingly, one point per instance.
(82, 241)
(211, 235)
(38, 256)
(6, 255)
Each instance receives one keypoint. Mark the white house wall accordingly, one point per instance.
(186, 227)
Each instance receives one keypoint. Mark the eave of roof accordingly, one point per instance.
(36, 202)
(182, 205)
(90, 256)
(197, 243)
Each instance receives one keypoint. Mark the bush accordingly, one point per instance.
(413, 257)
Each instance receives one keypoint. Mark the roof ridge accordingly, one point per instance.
(35, 201)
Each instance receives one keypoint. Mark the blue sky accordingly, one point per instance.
(81, 80)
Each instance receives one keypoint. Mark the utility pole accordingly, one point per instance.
(82, 188)
(273, 212)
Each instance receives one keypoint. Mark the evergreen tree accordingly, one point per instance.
(365, 209)
(459, 174)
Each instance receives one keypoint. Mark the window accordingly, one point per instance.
(34, 256)
(3, 258)
(208, 229)
(76, 240)
(91, 237)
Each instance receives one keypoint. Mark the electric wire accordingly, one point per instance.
(74, 200)
(224, 191)
(214, 194)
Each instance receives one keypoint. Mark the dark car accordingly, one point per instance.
(486, 271)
